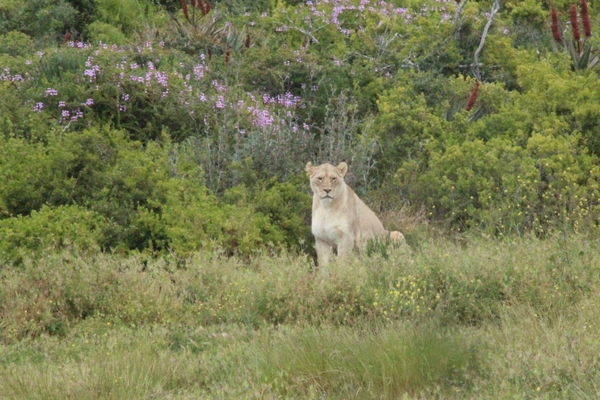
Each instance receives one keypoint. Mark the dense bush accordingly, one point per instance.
(135, 198)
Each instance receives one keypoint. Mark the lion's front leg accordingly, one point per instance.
(345, 246)
(324, 252)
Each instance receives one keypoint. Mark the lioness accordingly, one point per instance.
(340, 220)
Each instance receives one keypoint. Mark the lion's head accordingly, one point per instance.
(327, 181)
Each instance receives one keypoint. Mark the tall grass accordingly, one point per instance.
(369, 363)
(442, 319)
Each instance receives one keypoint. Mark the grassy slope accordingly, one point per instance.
(485, 319)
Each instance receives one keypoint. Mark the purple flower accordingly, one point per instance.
(50, 92)
(220, 102)
(218, 86)
(77, 114)
(92, 72)
(38, 107)
(199, 71)
(61, 103)
(89, 102)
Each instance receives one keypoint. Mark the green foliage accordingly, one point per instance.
(48, 20)
(106, 33)
(146, 202)
(123, 15)
(50, 229)
(16, 44)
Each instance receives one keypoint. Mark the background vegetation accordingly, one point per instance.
(152, 196)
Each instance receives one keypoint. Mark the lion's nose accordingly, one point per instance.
(327, 190)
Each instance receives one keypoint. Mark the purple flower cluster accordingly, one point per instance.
(252, 111)
(329, 12)
(260, 118)
(92, 72)
(71, 116)
(7, 76)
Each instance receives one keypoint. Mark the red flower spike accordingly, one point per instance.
(208, 6)
(184, 7)
(473, 97)
(227, 55)
(585, 19)
(209, 54)
(202, 7)
(67, 37)
(555, 28)
(574, 24)
(193, 3)
(247, 43)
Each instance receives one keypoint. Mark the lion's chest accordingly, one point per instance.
(330, 226)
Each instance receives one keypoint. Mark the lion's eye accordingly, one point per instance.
(320, 179)
(333, 179)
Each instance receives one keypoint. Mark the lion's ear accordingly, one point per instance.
(342, 168)
(309, 168)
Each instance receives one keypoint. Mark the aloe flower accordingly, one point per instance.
(585, 19)
(184, 7)
(473, 97)
(202, 8)
(555, 28)
(574, 24)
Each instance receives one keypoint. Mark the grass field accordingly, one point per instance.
(475, 318)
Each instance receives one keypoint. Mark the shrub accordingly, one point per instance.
(50, 229)
(16, 44)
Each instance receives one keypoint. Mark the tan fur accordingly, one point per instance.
(340, 220)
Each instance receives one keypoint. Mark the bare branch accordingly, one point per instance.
(476, 64)
(456, 19)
